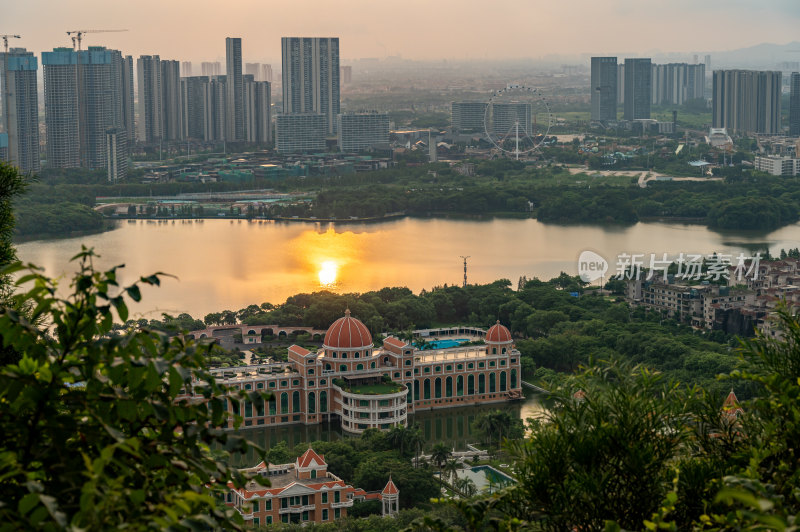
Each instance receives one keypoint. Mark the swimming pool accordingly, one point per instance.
(444, 344)
(486, 478)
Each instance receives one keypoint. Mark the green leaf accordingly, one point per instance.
(134, 293)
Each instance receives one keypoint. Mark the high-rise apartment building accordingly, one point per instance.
(604, 88)
(215, 108)
(235, 89)
(209, 69)
(362, 131)
(116, 154)
(510, 119)
(300, 132)
(674, 83)
(468, 117)
(82, 100)
(128, 101)
(638, 88)
(193, 96)
(311, 78)
(347, 74)
(61, 107)
(172, 121)
(257, 111)
(18, 86)
(149, 127)
(620, 83)
(266, 73)
(747, 101)
(794, 104)
(186, 69)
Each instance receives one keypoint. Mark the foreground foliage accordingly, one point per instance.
(94, 432)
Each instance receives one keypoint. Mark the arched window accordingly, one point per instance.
(295, 401)
(248, 409)
(460, 385)
(313, 473)
(359, 367)
(272, 405)
(437, 388)
(426, 389)
(504, 351)
(416, 390)
(502, 381)
(310, 371)
(471, 385)
(260, 407)
(410, 395)
(492, 383)
(284, 403)
(494, 350)
(513, 379)
(372, 365)
(408, 374)
(323, 401)
(448, 387)
(312, 403)
(343, 367)
(481, 383)
(355, 355)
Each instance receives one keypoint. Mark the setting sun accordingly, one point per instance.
(327, 273)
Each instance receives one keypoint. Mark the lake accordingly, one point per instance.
(229, 264)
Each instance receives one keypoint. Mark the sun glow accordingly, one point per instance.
(327, 273)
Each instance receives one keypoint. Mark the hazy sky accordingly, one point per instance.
(194, 30)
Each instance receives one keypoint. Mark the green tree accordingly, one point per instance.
(605, 457)
(440, 454)
(98, 432)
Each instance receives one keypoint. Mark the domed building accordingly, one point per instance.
(362, 386)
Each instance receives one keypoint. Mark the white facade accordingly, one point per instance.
(300, 133)
(777, 165)
(363, 131)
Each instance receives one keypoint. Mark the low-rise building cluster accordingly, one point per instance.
(739, 307)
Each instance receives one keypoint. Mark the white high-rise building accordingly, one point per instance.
(310, 78)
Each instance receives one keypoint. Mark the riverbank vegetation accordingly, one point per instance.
(745, 199)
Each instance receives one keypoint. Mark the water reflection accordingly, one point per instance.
(220, 265)
(453, 426)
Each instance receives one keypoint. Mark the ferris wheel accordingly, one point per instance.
(517, 119)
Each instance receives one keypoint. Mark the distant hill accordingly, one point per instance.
(764, 56)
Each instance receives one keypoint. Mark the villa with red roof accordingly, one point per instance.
(301, 492)
(361, 386)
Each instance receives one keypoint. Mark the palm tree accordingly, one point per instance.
(415, 440)
(451, 469)
(466, 486)
(440, 454)
(397, 438)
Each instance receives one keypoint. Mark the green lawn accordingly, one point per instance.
(370, 389)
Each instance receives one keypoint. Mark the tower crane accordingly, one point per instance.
(77, 35)
(6, 38)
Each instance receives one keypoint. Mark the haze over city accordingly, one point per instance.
(416, 29)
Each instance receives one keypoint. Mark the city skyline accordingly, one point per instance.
(379, 31)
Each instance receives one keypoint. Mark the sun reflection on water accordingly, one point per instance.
(327, 273)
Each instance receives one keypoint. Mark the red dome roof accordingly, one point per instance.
(498, 334)
(347, 333)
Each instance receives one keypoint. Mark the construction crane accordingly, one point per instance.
(6, 38)
(6, 90)
(77, 35)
